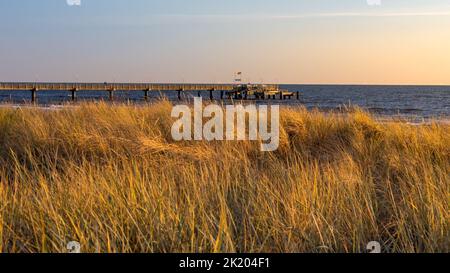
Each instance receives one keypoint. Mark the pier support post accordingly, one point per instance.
(281, 95)
(211, 97)
(74, 94)
(179, 93)
(33, 95)
(221, 94)
(111, 94)
(146, 94)
(298, 95)
(199, 94)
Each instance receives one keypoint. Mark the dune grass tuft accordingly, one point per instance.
(112, 178)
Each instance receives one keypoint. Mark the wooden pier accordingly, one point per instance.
(258, 91)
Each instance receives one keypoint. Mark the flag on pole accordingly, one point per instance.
(238, 77)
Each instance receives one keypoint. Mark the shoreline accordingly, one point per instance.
(414, 120)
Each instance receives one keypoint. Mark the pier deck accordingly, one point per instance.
(146, 88)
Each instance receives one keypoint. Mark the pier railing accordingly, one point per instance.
(116, 86)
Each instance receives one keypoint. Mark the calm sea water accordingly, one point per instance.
(413, 101)
(420, 101)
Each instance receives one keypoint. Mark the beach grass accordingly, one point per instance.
(111, 177)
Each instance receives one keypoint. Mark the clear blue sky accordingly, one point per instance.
(295, 41)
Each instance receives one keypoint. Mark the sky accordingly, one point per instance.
(207, 41)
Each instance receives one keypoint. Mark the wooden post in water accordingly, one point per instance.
(221, 94)
(211, 97)
(298, 95)
(199, 94)
(111, 94)
(74, 94)
(179, 93)
(33, 95)
(146, 94)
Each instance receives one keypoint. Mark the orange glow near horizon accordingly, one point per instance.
(394, 51)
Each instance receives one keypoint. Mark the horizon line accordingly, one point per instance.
(226, 83)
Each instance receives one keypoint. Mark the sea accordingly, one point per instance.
(414, 102)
